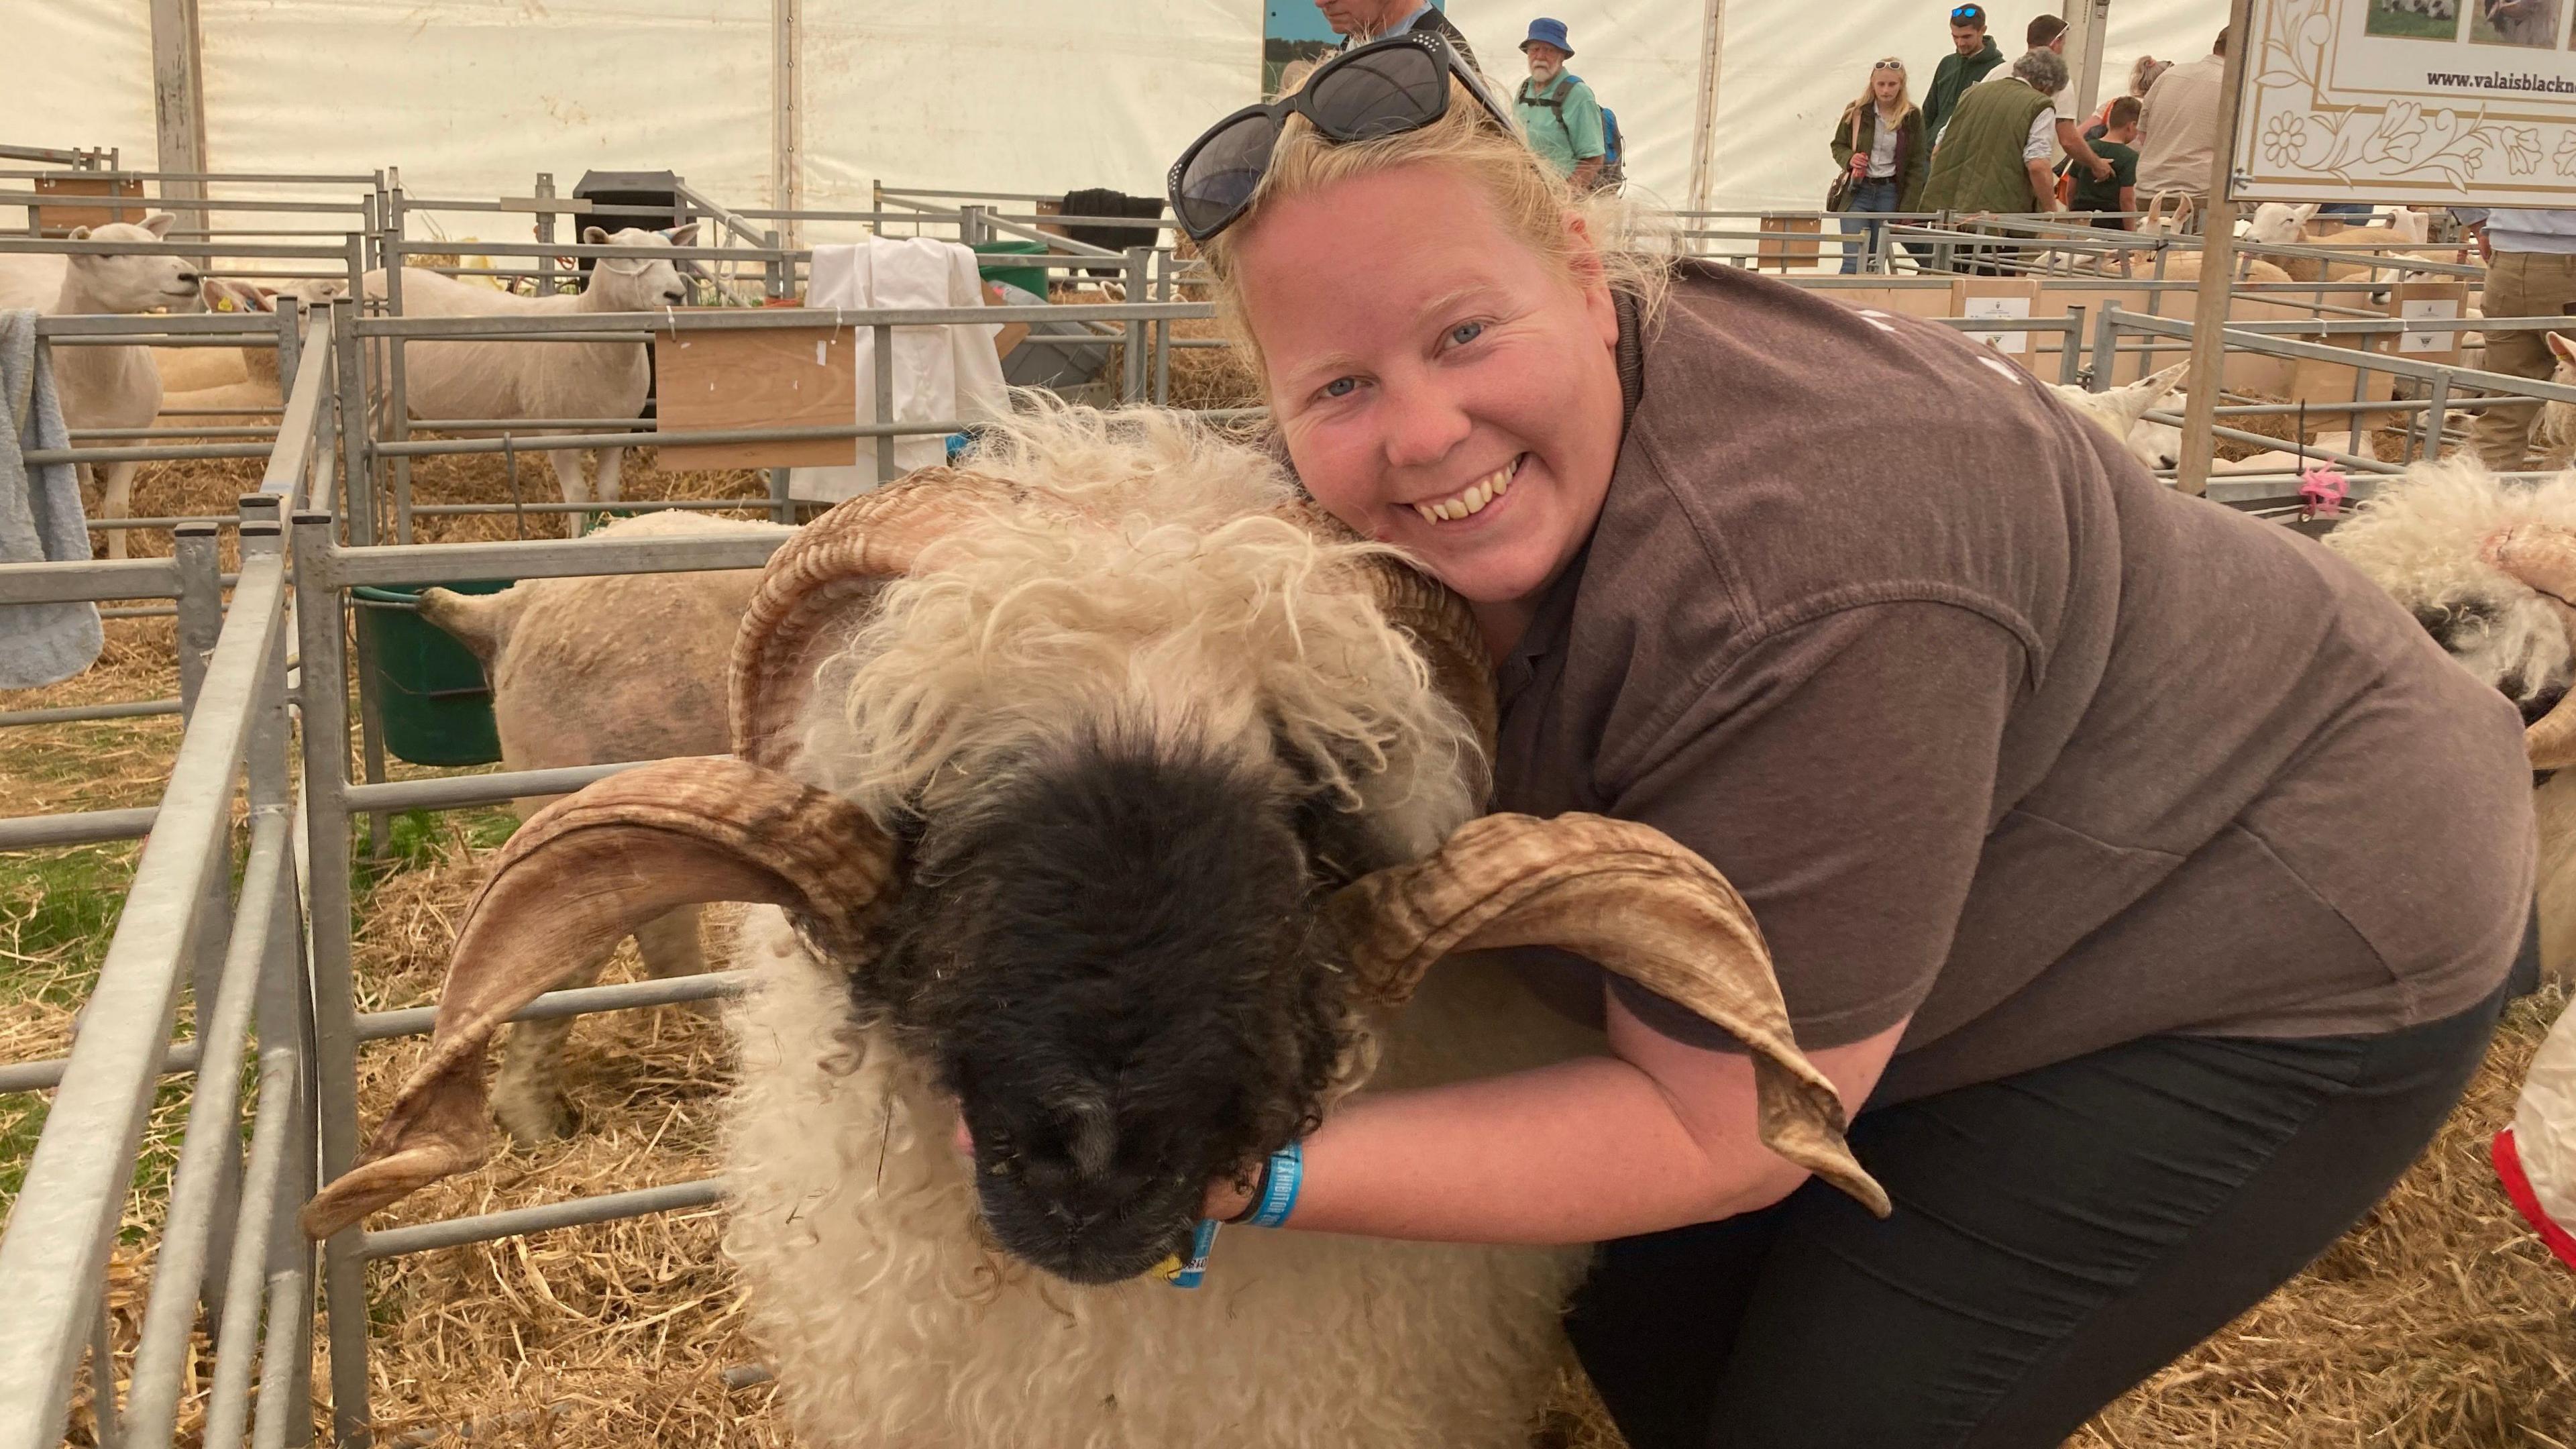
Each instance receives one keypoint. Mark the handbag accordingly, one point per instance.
(1838, 196)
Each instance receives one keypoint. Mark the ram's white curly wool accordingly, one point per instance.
(2420, 539)
(1142, 581)
(890, 1321)
(1149, 583)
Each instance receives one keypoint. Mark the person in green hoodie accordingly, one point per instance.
(1974, 53)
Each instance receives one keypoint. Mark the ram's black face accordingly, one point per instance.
(1118, 967)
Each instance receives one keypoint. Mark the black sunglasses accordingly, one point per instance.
(1384, 88)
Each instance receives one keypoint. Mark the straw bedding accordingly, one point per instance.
(2438, 1322)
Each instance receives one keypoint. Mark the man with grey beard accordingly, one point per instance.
(1358, 22)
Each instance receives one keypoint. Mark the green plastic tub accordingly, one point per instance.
(1027, 279)
(437, 707)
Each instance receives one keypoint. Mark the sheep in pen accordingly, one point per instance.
(1118, 801)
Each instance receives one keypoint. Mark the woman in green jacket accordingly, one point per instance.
(1878, 143)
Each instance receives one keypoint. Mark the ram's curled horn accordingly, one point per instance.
(577, 878)
(2542, 557)
(825, 575)
(1637, 902)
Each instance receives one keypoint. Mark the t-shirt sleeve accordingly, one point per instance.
(2043, 137)
(2124, 168)
(1841, 775)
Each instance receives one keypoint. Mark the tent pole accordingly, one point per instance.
(178, 96)
(786, 109)
(2090, 20)
(2217, 263)
(1712, 52)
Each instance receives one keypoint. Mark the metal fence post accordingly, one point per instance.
(881, 340)
(290, 342)
(320, 645)
(545, 229)
(2437, 416)
(1162, 328)
(201, 620)
(2106, 346)
(397, 416)
(1131, 386)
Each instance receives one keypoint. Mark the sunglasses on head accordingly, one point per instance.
(1889, 65)
(1384, 88)
(1968, 15)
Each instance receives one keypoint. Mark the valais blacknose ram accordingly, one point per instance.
(1117, 800)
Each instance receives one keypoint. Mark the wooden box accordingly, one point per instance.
(1781, 248)
(56, 219)
(792, 377)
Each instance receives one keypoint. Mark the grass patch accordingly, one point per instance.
(425, 839)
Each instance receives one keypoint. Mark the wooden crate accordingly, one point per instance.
(793, 377)
(56, 219)
(1781, 248)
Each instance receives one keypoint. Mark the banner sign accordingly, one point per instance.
(2430, 102)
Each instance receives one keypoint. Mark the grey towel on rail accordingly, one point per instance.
(40, 517)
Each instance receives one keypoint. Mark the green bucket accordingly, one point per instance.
(1027, 279)
(430, 690)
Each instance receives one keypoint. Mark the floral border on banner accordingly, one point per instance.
(2302, 137)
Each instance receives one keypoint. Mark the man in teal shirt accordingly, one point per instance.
(1557, 111)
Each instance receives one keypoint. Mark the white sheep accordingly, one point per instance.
(2428, 539)
(2122, 412)
(598, 670)
(1116, 798)
(513, 379)
(106, 386)
(243, 378)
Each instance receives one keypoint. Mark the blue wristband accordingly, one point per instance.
(1193, 1272)
(1279, 1186)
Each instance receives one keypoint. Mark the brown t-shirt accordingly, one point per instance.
(1991, 728)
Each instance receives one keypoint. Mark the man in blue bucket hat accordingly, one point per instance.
(1557, 110)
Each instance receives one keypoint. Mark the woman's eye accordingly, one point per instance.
(1341, 387)
(1465, 332)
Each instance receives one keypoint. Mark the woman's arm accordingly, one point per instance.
(1841, 774)
(1660, 1136)
(1844, 132)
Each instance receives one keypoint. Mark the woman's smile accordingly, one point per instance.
(1476, 500)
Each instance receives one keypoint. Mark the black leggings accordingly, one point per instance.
(2058, 1236)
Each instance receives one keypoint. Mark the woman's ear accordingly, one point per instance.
(1583, 260)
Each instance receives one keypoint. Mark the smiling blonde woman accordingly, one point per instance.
(2143, 879)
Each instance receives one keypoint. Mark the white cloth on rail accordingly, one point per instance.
(40, 516)
(941, 374)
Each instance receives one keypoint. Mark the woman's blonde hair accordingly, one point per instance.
(1531, 201)
(1869, 88)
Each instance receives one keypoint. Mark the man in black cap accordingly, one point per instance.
(1974, 53)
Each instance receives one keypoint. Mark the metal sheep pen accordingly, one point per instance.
(278, 953)
(227, 1236)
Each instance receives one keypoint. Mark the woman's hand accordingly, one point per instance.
(1860, 165)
